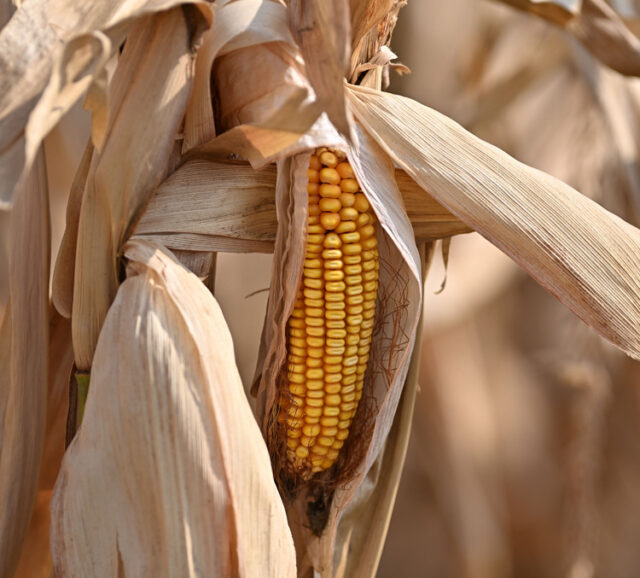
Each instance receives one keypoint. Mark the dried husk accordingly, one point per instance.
(363, 527)
(24, 342)
(237, 25)
(581, 253)
(322, 29)
(35, 559)
(399, 304)
(168, 475)
(153, 78)
(596, 25)
(210, 205)
(50, 51)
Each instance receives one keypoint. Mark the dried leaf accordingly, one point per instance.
(49, 53)
(152, 80)
(176, 479)
(323, 32)
(362, 530)
(208, 205)
(24, 341)
(596, 25)
(584, 255)
(237, 25)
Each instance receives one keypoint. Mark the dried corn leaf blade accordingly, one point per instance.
(322, 29)
(209, 205)
(35, 560)
(584, 255)
(149, 95)
(596, 25)
(365, 14)
(237, 25)
(362, 530)
(168, 473)
(397, 316)
(24, 341)
(49, 53)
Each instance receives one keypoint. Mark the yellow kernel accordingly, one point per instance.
(348, 214)
(350, 237)
(330, 176)
(297, 389)
(370, 285)
(369, 265)
(336, 324)
(351, 350)
(330, 411)
(353, 279)
(330, 220)
(335, 314)
(352, 259)
(352, 329)
(336, 446)
(297, 323)
(331, 254)
(334, 297)
(297, 332)
(367, 231)
(296, 378)
(347, 361)
(313, 219)
(315, 239)
(348, 371)
(314, 312)
(314, 176)
(349, 186)
(335, 286)
(335, 306)
(312, 189)
(333, 275)
(344, 170)
(315, 331)
(369, 255)
(333, 388)
(330, 378)
(354, 290)
(331, 359)
(315, 394)
(312, 273)
(314, 322)
(345, 227)
(335, 350)
(315, 341)
(333, 400)
(325, 441)
(296, 412)
(369, 314)
(370, 243)
(319, 450)
(333, 264)
(352, 249)
(355, 309)
(315, 352)
(330, 431)
(313, 294)
(311, 430)
(326, 464)
(363, 219)
(315, 384)
(330, 205)
(293, 443)
(313, 283)
(314, 210)
(328, 159)
(332, 241)
(353, 338)
(306, 441)
(335, 343)
(353, 269)
(315, 411)
(336, 333)
(348, 406)
(314, 163)
(329, 191)
(332, 454)
(344, 425)
(370, 296)
(362, 205)
(297, 350)
(329, 421)
(314, 302)
(354, 319)
(347, 199)
(333, 368)
(367, 323)
(315, 402)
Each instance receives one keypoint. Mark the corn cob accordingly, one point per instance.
(329, 332)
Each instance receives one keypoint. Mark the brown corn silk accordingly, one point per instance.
(330, 330)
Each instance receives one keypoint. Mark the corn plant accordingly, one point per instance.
(247, 125)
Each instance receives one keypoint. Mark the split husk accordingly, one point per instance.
(175, 430)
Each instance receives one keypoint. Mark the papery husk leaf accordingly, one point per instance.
(239, 24)
(363, 527)
(584, 255)
(150, 90)
(35, 560)
(398, 311)
(64, 271)
(49, 53)
(209, 205)
(596, 25)
(365, 14)
(322, 29)
(168, 474)
(24, 342)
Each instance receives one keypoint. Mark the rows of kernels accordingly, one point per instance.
(329, 332)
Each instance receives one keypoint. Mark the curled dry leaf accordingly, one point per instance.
(584, 255)
(153, 79)
(24, 342)
(596, 25)
(50, 52)
(169, 419)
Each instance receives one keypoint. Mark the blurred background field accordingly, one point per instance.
(524, 459)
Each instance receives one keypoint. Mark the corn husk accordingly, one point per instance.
(50, 52)
(131, 164)
(35, 559)
(596, 25)
(209, 205)
(24, 341)
(177, 432)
